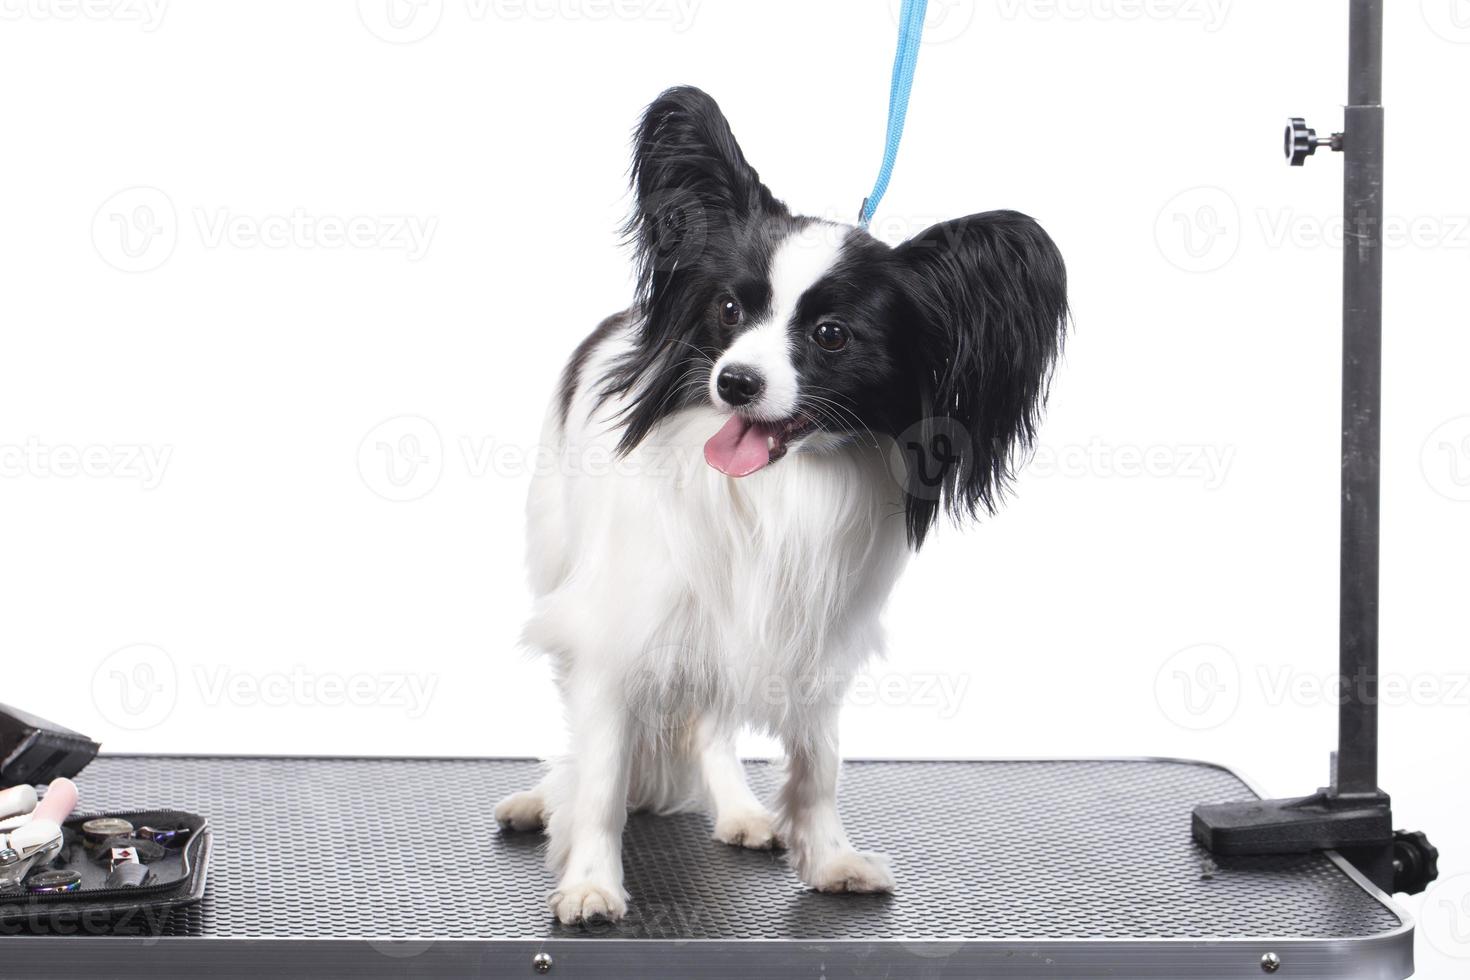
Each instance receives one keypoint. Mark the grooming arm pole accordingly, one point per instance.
(1362, 357)
(1351, 814)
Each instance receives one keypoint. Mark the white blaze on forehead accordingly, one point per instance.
(800, 261)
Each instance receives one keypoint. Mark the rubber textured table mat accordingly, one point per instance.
(1030, 850)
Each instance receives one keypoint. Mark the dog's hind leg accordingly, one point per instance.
(740, 818)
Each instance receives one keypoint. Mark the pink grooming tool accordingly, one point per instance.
(44, 828)
(58, 803)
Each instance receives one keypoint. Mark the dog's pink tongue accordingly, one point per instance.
(739, 448)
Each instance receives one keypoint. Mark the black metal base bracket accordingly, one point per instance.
(1357, 825)
(1321, 821)
(1360, 830)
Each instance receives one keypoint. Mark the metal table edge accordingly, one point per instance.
(1375, 958)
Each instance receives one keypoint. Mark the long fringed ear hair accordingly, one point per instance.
(694, 193)
(989, 300)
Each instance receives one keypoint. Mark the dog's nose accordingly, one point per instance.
(740, 385)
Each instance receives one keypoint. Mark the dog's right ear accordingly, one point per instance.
(690, 181)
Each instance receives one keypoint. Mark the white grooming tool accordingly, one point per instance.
(17, 801)
(34, 835)
(40, 839)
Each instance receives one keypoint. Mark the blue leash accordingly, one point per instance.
(910, 32)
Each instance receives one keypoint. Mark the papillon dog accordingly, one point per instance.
(746, 457)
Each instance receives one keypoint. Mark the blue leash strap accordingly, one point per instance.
(910, 32)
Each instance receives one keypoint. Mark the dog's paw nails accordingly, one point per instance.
(755, 830)
(521, 812)
(587, 902)
(852, 871)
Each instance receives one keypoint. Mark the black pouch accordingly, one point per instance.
(177, 879)
(34, 750)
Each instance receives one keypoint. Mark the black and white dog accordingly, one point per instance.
(844, 394)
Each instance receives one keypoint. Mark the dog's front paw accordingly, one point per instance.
(522, 811)
(755, 829)
(588, 902)
(852, 871)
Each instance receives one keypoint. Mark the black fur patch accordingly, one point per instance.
(571, 375)
(953, 334)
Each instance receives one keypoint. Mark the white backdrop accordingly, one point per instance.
(286, 287)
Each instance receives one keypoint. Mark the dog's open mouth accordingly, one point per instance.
(744, 445)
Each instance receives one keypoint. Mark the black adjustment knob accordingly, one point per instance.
(1302, 141)
(1415, 862)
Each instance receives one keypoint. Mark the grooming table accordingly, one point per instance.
(362, 868)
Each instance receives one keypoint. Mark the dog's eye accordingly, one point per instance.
(730, 312)
(830, 336)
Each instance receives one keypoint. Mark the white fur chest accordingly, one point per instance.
(753, 598)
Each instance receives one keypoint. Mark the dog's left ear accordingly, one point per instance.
(989, 300)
